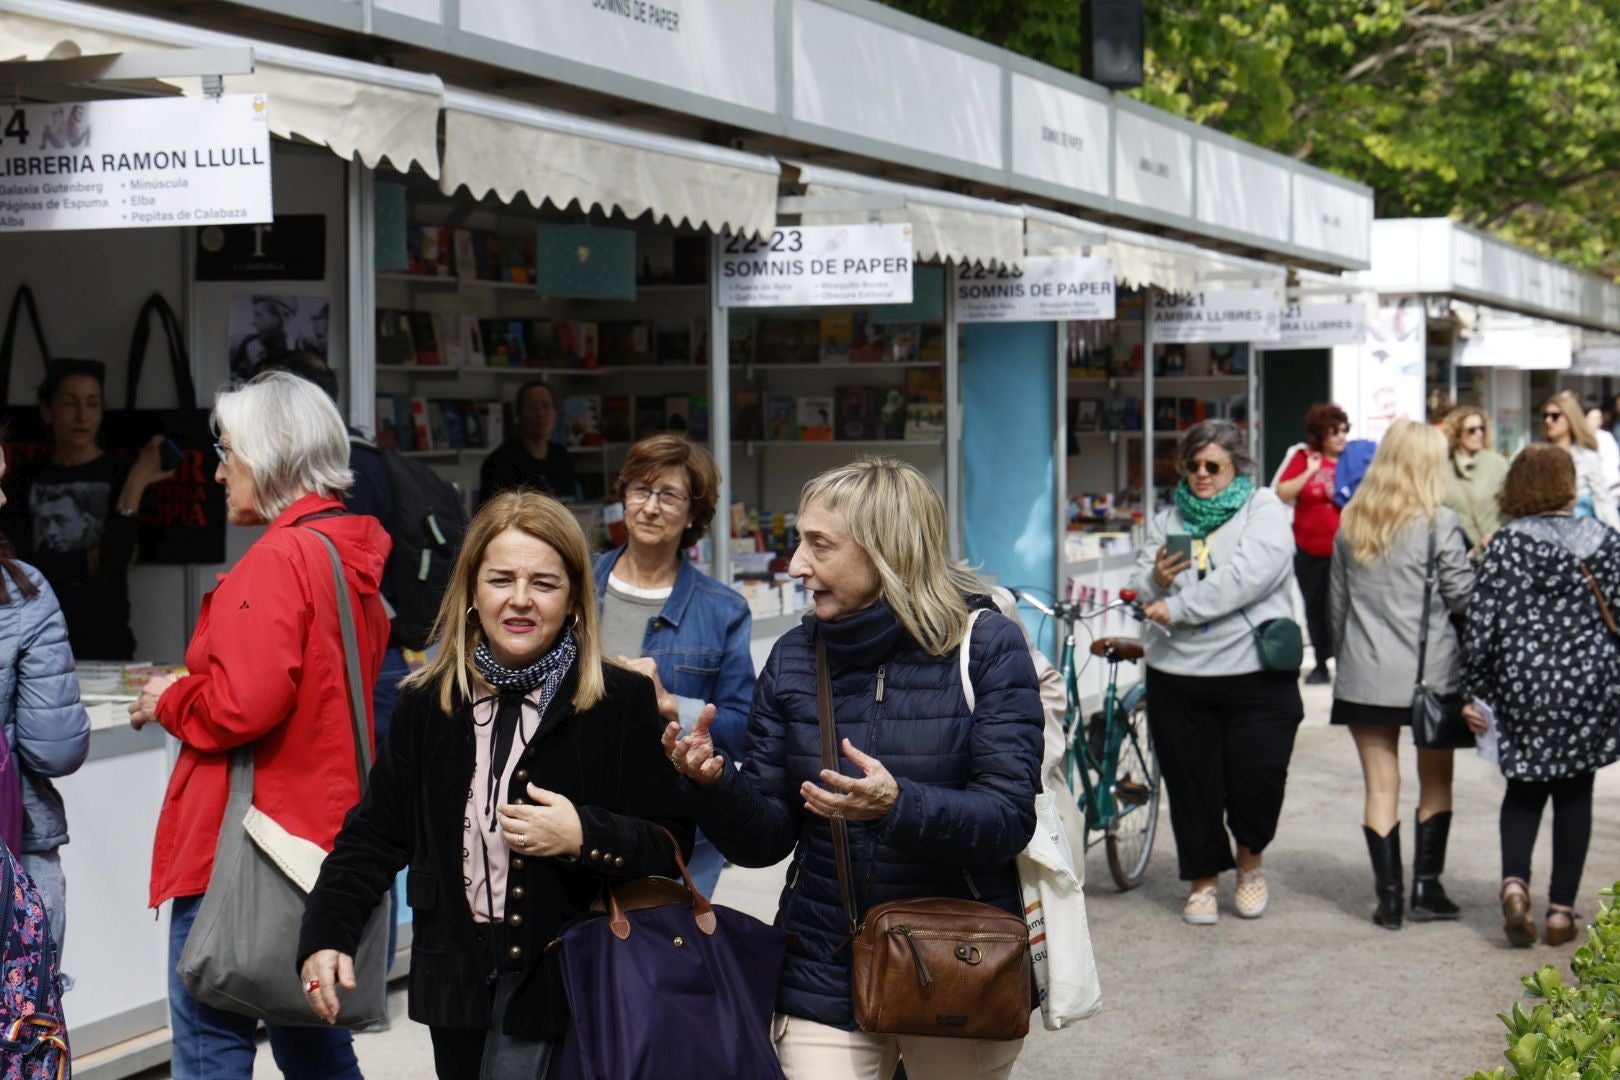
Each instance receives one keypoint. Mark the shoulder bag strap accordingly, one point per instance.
(1423, 621)
(829, 760)
(21, 303)
(962, 659)
(179, 363)
(1602, 601)
(351, 661)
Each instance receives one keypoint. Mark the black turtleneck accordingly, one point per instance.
(863, 639)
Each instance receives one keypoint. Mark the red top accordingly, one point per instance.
(267, 666)
(1316, 515)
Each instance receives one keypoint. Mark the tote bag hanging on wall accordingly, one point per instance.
(26, 436)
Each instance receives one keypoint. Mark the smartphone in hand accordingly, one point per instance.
(1179, 544)
(170, 454)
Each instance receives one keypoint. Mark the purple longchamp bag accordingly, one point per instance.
(664, 984)
(11, 804)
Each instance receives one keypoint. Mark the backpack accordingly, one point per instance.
(1352, 467)
(33, 1037)
(427, 525)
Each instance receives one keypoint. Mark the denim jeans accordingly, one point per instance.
(384, 696)
(212, 1044)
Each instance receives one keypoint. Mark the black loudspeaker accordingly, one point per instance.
(1111, 33)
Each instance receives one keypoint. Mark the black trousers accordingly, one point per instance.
(1571, 830)
(1313, 574)
(1224, 742)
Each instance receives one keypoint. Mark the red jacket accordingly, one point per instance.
(267, 667)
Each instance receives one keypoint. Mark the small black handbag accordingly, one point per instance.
(1437, 719)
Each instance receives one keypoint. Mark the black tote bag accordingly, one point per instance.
(183, 517)
(27, 437)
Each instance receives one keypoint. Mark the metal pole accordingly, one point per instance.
(953, 414)
(720, 412)
(1060, 459)
(362, 297)
(1148, 408)
(1255, 446)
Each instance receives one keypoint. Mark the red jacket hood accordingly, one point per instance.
(362, 543)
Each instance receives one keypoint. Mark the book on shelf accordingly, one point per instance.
(492, 422)
(425, 335)
(452, 343)
(672, 342)
(781, 418)
(503, 342)
(890, 406)
(1164, 414)
(1170, 361)
(428, 251)
(1087, 414)
(815, 414)
(582, 419)
(925, 403)
(788, 341)
(621, 344)
(472, 423)
(655, 259)
(931, 344)
(1113, 413)
(488, 256)
(698, 417)
(395, 345)
(856, 419)
(837, 336)
(517, 259)
(1124, 360)
(543, 345)
(1189, 411)
(422, 429)
(747, 415)
(466, 258)
(393, 423)
(1229, 358)
(616, 417)
(472, 342)
(1133, 414)
(445, 417)
(649, 411)
(678, 413)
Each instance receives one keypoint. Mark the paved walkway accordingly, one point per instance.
(1313, 989)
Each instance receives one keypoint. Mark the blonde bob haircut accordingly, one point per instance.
(288, 434)
(1580, 431)
(1457, 419)
(457, 632)
(1405, 482)
(898, 519)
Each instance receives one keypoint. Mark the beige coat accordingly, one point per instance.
(1472, 488)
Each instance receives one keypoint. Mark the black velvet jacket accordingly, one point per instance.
(608, 760)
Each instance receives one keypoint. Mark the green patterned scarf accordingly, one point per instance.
(1204, 516)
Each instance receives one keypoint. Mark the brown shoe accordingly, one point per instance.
(1560, 927)
(1516, 922)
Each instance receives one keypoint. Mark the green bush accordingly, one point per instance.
(1574, 1034)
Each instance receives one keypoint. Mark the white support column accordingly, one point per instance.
(720, 415)
(362, 298)
(1147, 406)
(1253, 386)
(953, 414)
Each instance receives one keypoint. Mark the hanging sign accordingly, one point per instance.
(1049, 288)
(135, 164)
(1216, 315)
(805, 265)
(292, 248)
(1321, 326)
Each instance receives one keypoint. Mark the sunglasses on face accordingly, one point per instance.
(1209, 468)
(1474, 429)
(1342, 429)
(1551, 417)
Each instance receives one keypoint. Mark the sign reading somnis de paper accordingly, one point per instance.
(135, 164)
(818, 265)
(1216, 315)
(1321, 326)
(1048, 288)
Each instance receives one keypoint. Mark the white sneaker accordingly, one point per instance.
(1201, 908)
(1252, 894)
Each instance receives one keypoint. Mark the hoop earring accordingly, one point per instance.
(472, 610)
(573, 621)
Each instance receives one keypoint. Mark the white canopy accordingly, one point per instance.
(1141, 260)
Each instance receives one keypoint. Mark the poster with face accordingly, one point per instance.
(68, 517)
(1380, 381)
(264, 325)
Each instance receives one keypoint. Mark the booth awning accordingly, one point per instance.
(1141, 260)
(512, 148)
(350, 107)
(944, 225)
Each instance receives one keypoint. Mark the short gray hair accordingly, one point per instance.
(289, 435)
(1222, 433)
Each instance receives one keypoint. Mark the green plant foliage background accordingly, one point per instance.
(1504, 114)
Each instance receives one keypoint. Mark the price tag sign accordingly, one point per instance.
(135, 164)
(1048, 288)
(1216, 315)
(1321, 326)
(810, 265)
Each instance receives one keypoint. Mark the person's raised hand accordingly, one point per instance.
(323, 972)
(1166, 566)
(546, 826)
(695, 756)
(1313, 462)
(867, 798)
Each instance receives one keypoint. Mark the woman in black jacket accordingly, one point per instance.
(521, 776)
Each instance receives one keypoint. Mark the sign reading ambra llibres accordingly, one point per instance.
(135, 164)
(1216, 315)
(818, 264)
(1047, 288)
(1322, 326)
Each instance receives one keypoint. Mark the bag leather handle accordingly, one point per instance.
(22, 302)
(829, 760)
(702, 910)
(1602, 601)
(1423, 622)
(179, 362)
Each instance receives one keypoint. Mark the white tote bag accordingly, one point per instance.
(1053, 882)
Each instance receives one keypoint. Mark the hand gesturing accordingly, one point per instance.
(694, 756)
(866, 799)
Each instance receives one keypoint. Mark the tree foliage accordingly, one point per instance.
(1504, 114)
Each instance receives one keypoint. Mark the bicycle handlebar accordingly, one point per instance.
(1072, 609)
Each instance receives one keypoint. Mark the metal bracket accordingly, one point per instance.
(211, 64)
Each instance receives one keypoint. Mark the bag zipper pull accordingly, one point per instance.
(972, 888)
(923, 977)
(883, 670)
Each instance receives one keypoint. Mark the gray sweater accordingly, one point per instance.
(1376, 610)
(1250, 567)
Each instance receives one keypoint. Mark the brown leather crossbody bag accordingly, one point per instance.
(930, 965)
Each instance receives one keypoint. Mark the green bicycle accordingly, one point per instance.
(1110, 753)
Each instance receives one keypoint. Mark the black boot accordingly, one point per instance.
(1429, 900)
(1386, 860)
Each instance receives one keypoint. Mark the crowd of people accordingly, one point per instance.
(586, 721)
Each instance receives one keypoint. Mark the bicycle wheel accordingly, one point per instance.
(1136, 801)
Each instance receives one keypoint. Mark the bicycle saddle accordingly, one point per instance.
(1115, 649)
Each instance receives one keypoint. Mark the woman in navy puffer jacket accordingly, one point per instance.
(939, 799)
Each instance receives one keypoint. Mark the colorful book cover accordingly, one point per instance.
(419, 424)
(498, 351)
(747, 415)
(466, 258)
(446, 417)
(582, 419)
(1087, 414)
(492, 421)
(904, 343)
(425, 334)
(815, 413)
(855, 413)
(891, 411)
(388, 435)
(591, 262)
(925, 403)
(517, 258)
(1114, 414)
(871, 341)
(616, 418)
(472, 423)
(781, 418)
(837, 336)
(1170, 361)
(435, 252)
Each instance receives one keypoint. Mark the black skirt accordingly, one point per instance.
(1352, 712)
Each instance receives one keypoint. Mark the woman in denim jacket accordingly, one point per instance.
(667, 619)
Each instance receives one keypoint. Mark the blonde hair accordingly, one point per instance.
(1405, 482)
(289, 435)
(1580, 432)
(458, 633)
(898, 519)
(1454, 421)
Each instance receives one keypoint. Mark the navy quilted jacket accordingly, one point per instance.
(44, 722)
(967, 784)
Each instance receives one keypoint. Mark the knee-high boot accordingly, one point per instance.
(1429, 899)
(1385, 852)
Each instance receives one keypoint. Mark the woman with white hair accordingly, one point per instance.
(266, 667)
(938, 796)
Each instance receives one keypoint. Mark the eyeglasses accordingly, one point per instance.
(1342, 429)
(224, 452)
(640, 493)
(1474, 429)
(1210, 468)
(1551, 416)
